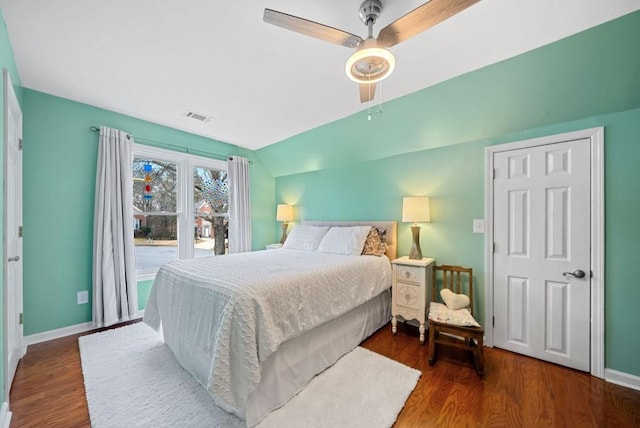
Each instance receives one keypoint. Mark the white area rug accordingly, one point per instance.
(133, 380)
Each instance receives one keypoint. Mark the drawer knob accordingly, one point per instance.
(407, 274)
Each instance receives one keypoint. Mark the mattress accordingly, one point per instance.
(223, 317)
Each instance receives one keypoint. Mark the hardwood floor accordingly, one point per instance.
(517, 391)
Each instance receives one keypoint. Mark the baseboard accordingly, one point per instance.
(5, 415)
(62, 332)
(58, 333)
(623, 379)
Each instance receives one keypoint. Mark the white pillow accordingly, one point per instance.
(345, 240)
(454, 301)
(305, 237)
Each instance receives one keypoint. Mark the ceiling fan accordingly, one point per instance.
(372, 62)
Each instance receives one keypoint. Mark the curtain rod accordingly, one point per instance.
(167, 145)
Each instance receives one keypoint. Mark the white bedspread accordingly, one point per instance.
(231, 312)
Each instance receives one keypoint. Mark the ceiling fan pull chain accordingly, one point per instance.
(380, 99)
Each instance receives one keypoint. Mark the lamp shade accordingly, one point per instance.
(284, 212)
(415, 209)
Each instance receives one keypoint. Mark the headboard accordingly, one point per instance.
(390, 226)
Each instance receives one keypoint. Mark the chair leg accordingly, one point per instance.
(480, 355)
(432, 344)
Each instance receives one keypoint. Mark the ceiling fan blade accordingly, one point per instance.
(310, 28)
(420, 19)
(367, 92)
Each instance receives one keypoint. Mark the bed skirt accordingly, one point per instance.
(288, 370)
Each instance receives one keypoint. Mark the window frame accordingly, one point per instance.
(185, 213)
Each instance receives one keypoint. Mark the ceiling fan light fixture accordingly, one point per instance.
(370, 64)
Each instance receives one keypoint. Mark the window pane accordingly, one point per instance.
(211, 204)
(155, 241)
(204, 236)
(154, 185)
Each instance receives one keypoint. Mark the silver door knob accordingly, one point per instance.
(14, 259)
(576, 273)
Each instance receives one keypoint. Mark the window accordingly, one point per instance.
(174, 193)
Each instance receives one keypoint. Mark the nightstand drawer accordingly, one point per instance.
(408, 274)
(409, 295)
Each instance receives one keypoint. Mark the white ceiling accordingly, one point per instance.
(156, 59)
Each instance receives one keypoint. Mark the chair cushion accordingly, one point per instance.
(459, 317)
(454, 301)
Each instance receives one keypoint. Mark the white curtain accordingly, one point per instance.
(115, 293)
(239, 205)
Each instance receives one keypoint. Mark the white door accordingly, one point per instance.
(542, 236)
(12, 233)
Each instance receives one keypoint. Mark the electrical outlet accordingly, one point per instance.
(478, 226)
(83, 297)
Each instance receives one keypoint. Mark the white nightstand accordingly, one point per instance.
(274, 246)
(411, 282)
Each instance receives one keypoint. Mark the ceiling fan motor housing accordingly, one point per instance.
(370, 10)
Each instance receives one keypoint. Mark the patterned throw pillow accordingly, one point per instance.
(376, 243)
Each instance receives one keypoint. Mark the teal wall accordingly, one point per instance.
(432, 143)
(60, 154)
(8, 62)
(144, 288)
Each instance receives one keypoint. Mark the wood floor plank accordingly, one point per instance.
(516, 391)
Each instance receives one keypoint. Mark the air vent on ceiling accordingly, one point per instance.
(197, 116)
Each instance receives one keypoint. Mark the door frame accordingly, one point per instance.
(596, 138)
(9, 98)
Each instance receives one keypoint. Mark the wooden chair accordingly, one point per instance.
(462, 337)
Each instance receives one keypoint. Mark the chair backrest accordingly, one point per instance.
(453, 278)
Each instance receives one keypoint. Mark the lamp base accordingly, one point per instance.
(285, 226)
(416, 252)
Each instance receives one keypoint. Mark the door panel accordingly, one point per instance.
(518, 310)
(556, 337)
(519, 223)
(557, 219)
(541, 230)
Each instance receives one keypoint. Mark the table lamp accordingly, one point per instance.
(285, 215)
(415, 209)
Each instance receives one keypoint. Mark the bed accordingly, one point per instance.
(254, 328)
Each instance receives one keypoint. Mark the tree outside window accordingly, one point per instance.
(211, 205)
